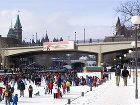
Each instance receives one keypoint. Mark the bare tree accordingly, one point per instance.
(3, 53)
(128, 9)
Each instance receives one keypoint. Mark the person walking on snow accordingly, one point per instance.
(125, 74)
(118, 74)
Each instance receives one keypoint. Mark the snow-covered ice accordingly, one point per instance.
(106, 94)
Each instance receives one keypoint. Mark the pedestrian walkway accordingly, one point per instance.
(110, 94)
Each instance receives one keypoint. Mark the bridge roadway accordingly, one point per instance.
(95, 48)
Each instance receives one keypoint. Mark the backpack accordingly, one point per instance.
(118, 72)
(6, 93)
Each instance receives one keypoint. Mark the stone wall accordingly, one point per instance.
(117, 39)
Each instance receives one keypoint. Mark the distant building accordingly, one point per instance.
(16, 32)
(14, 36)
(123, 33)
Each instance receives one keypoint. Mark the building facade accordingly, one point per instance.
(123, 33)
(14, 36)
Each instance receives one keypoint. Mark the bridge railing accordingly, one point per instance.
(88, 41)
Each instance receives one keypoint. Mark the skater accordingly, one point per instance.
(59, 93)
(1, 91)
(68, 86)
(64, 87)
(15, 99)
(50, 87)
(7, 95)
(21, 87)
(30, 89)
(55, 91)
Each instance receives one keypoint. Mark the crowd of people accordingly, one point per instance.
(57, 84)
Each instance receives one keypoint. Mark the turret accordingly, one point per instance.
(11, 32)
(46, 37)
(118, 27)
(18, 29)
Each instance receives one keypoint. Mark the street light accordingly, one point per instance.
(1, 65)
(120, 58)
(124, 63)
(124, 55)
(136, 21)
(130, 51)
(133, 45)
(114, 62)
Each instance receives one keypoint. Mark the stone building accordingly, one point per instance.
(123, 33)
(14, 36)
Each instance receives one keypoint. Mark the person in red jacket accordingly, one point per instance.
(59, 93)
(95, 81)
(1, 91)
(64, 87)
(50, 87)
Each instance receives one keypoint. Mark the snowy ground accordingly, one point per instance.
(105, 94)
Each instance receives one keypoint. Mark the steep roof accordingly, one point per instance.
(118, 22)
(11, 33)
(18, 24)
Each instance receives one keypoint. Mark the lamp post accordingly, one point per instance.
(124, 63)
(133, 45)
(69, 60)
(130, 51)
(114, 61)
(75, 37)
(1, 65)
(136, 21)
(120, 58)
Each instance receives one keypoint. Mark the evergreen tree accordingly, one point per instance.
(61, 39)
(33, 42)
(90, 40)
(42, 41)
(57, 40)
(38, 42)
(54, 40)
(23, 42)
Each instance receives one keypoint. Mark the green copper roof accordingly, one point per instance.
(93, 68)
(11, 33)
(18, 24)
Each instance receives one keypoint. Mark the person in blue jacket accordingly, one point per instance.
(15, 99)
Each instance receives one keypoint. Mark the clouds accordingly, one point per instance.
(31, 23)
(5, 21)
(61, 18)
(57, 24)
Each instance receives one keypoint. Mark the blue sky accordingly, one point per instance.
(61, 18)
